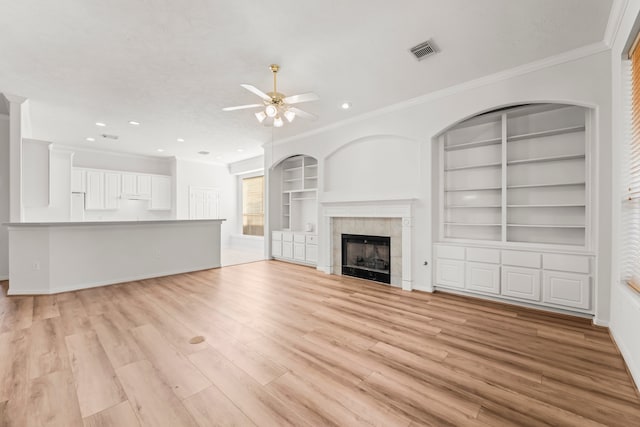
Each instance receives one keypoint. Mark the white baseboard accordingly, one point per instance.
(114, 281)
(628, 359)
(4, 277)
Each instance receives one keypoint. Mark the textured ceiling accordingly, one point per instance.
(172, 65)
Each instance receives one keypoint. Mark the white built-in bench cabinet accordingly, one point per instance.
(296, 247)
(513, 213)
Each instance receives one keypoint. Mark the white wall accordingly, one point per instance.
(625, 304)
(199, 174)
(575, 79)
(47, 189)
(121, 161)
(4, 195)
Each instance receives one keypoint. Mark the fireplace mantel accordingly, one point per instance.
(388, 208)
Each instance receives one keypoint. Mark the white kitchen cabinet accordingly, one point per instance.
(129, 184)
(143, 185)
(78, 181)
(450, 273)
(567, 289)
(111, 190)
(519, 282)
(94, 198)
(483, 277)
(160, 193)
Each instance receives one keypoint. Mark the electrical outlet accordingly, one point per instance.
(36, 266)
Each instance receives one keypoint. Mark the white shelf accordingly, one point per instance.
(293, 180)
(486, 165)
(546, 225)
(548, 206)
(483, 143)
(310, 177)
(297, 168)
(304, 198)
(546, 159)
(473, 207)
(559, 184)
(467, 224)
(311, 166)
(300, 190)
(546, 133)
(472, 189)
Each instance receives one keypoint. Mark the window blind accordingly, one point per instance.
(631, 168)
(253, 206)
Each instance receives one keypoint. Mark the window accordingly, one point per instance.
(253, 206)
(631, 180)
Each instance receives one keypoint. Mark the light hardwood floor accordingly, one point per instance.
(286, 345)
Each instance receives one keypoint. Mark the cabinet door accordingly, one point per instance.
(95, 190)
(160, 193)
(287, 249)
(129, 184)
(518, 282)
(111, 190)
(483, 277)
(311, 254)
(144, 185)
(78, 184)
(567, 289)
(298, 251)
(450, 273)
(276, 248)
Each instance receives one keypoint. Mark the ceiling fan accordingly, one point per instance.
(276, 105)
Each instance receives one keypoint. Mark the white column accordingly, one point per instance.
(407, 256)
(17, 104)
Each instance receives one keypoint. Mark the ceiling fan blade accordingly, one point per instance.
(257, 91)
(303, 113)
(242, 107)
(304, 97)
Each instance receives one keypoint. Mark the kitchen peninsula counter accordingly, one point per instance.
(53, 257)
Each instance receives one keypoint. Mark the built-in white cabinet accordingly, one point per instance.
(295, 247)
(160, 193)
(144, 185)
(567, 289)
(554, 280)
(483, 277)
(521, 283)
(518, 175)
(297, 187)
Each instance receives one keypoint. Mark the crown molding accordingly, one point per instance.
(112, 152)
(561, 58)
(615, 20)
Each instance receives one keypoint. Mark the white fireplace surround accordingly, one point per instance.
(400, 208)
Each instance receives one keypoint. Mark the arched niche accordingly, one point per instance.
(379, 166)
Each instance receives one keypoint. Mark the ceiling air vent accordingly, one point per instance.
(107, 136)
(424, 50)
(204, 153)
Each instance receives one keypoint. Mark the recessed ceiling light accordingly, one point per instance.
(346, 105)
(218, 157)
(134, 123)
(204, 153)
(180, 140)
(91, 139)
(240, 150)
(100, 124)
(160, 150)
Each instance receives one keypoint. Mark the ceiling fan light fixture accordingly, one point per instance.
(260, 115)
(289, 115)
(271, 110)
(277, 122)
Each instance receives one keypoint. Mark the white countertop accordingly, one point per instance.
(103, 223)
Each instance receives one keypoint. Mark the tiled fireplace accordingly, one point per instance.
(387, 219)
